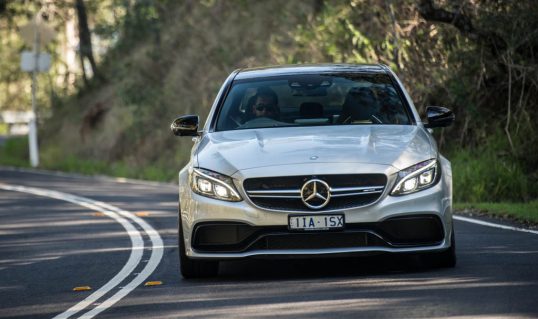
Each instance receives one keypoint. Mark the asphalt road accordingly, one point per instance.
(48, 246)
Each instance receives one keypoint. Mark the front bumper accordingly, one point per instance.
(265, 232)
(233, 237)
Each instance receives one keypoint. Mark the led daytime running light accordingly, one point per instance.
(216, 183)
(415, 172)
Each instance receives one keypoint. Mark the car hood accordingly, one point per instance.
(398, 145)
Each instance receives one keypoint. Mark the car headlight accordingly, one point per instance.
(214, 185)
(415, 178)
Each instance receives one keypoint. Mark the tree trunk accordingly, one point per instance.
(319, 5)
(85, 40)
(84, 77)
(395, 38)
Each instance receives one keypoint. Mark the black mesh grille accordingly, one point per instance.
(317, 241)
(297, 182)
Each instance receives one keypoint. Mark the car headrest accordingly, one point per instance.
(360, 104)
(311, 110)
(363, 93)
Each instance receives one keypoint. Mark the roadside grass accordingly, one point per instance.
(522, 212)
(488, 181)
(14, 152)
(482, 176)
(75, 164)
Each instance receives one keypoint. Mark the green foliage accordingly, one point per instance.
(14, 152)
(488, 174)
(4, 129)
(338, 35)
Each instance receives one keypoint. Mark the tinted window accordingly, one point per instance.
(298, 100)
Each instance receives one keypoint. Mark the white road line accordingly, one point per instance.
(154, 260)
(122, 217)
(483, 223)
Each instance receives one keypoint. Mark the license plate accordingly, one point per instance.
(316, 222)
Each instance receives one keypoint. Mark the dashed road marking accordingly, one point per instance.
(153, 283)
(82, 288)
(142, 214)
(128, 221)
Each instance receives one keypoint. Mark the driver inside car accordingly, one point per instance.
(263, 104)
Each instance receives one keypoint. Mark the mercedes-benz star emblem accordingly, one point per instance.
(315, 194)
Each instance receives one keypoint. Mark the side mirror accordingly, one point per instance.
(186, 125)
(439, 116)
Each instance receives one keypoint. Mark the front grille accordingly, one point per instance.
(284, 193)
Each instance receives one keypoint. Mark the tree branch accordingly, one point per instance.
(464, 24)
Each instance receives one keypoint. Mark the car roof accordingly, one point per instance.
(309, 69)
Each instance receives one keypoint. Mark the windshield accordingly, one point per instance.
(301, 100)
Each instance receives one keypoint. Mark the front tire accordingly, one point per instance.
(444, 259)
(191, 268)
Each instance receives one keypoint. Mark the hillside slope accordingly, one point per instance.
(154, 76)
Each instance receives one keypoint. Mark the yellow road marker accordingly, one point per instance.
(82, 288)
(142, 214)
(153, 283)
(99, 214)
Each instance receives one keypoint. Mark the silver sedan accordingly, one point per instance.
(314, 160)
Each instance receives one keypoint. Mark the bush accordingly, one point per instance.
(484, 175)
(15, 152)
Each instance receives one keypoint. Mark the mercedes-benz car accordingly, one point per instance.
(313, 161)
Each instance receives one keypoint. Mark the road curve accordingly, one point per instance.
(48, 246)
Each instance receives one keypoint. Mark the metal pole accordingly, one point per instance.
(32, 134)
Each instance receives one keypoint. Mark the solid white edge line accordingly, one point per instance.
(483, 223)
(134, 258)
